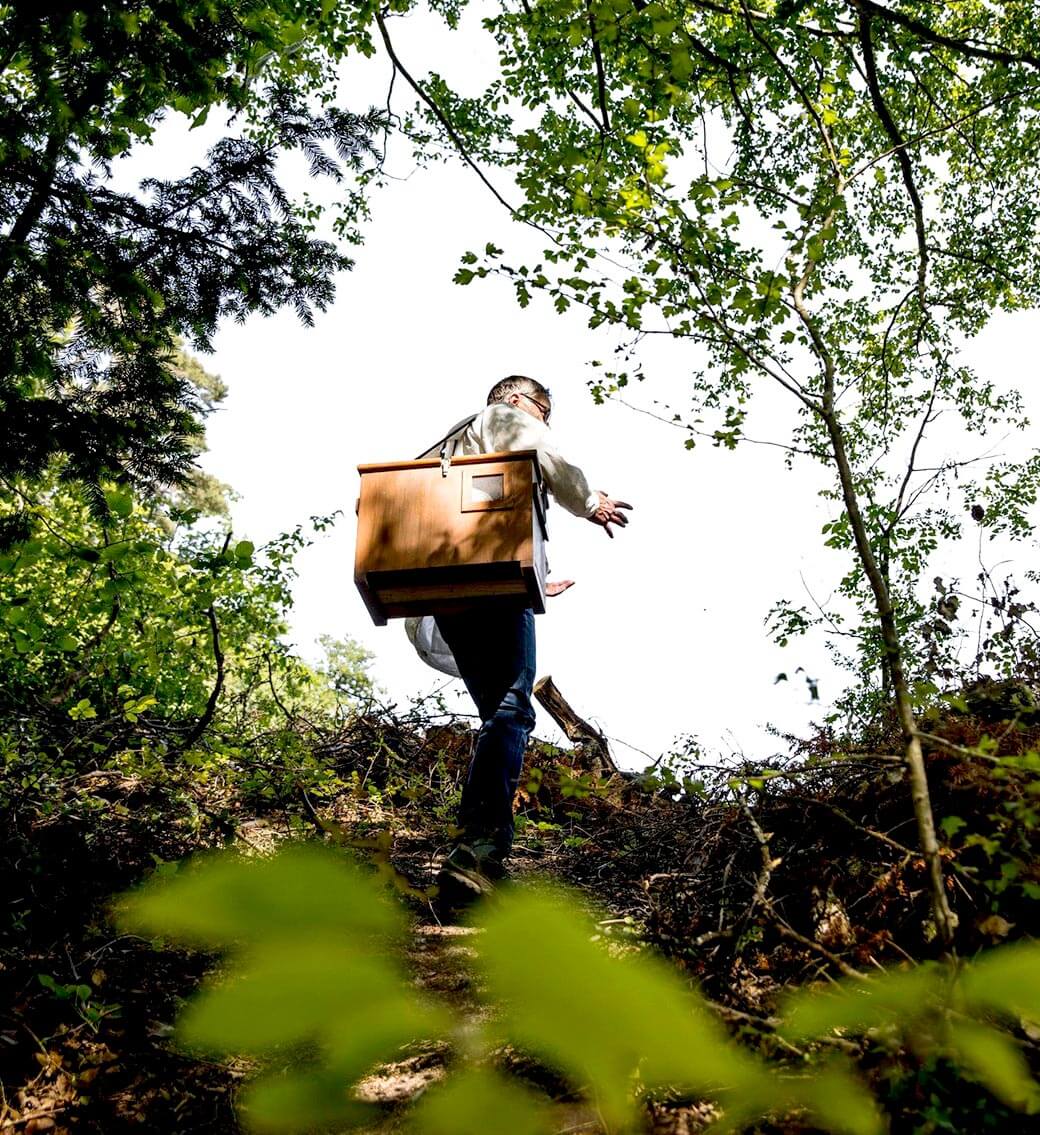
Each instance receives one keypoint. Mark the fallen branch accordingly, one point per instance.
(763, 899)
(854, 823)
(591, 746)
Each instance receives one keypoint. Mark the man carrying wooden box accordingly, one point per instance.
(491, 646)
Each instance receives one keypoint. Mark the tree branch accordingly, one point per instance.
(803, 95)
(87, 651)
(911, 465)
(929, 35)
(443, 120)
(711, 436)
(601, 78)
(899, 147)
(854, 823)
(204, 721)
(761, 898)
(37, 202)
(951, 124)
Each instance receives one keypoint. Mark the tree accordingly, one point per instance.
(200, 493)
(97, 284)
(130, 644)
(820, 196)
(345, 667)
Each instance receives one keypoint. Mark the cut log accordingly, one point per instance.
(591, 750)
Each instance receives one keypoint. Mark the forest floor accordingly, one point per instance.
(87, 1024)
(751, 881)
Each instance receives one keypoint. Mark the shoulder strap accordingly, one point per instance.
(441, 444)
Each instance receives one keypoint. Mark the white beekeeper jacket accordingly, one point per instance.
(502, 428)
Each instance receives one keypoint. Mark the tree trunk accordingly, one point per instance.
(34, 206)
(944, 918)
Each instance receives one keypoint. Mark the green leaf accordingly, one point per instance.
(1006, 979)
(66, 643)
(82, 710)
(225, 899)
(312, 970)
(302, 1101)
(295, 990)
(839, 1102)
(480, 1102)
(951, 825)
(897, 996)
(119, 501)
(996, 1061)
(681, 64)
(600, 1018)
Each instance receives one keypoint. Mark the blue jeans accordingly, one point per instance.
(494, 648)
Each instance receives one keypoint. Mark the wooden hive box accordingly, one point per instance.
(434, 538)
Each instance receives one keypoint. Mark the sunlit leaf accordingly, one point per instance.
(301, 1101)
(838, 1102)
(600, 1018)
(120, 502)
(1005, 979)
(290, 991)
(227, 899)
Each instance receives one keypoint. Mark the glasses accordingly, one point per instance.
(546, 410)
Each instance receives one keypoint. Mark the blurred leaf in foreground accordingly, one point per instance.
(481, 1102)
(610, 1021)
(226, 901)
(928, 1005)
(312, 974)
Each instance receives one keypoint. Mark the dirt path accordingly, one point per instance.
(440, 961)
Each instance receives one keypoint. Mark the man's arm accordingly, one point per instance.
(608, 513)
(506, 429)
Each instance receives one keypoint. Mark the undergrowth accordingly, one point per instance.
(753, 880)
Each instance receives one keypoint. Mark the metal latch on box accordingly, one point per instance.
(453, 435)
(447, 453)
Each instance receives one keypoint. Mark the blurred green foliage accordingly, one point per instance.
(313, 990)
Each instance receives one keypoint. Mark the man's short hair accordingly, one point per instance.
(517, 384)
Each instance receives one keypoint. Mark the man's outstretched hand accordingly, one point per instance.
(558, 587)
(609, 512)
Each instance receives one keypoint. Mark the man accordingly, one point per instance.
(492, 646)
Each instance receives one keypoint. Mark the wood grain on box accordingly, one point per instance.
(433, 540)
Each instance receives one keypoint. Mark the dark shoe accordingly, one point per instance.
(462, 880)
(490, 862)
(462, 857)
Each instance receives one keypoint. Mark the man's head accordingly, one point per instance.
(525, 394)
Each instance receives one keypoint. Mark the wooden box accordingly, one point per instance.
(434, 538)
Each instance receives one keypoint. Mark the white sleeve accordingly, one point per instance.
(504, 428)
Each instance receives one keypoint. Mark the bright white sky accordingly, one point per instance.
(664, 633)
